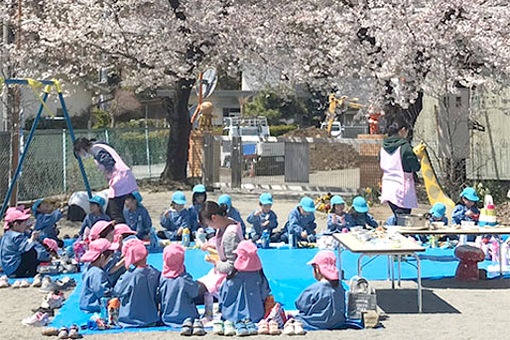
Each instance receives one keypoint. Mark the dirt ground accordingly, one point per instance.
(452, 310)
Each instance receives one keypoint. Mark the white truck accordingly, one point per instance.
(258, 145)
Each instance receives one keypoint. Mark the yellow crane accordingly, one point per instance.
(334, 102)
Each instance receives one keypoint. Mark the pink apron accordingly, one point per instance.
(397, 186)
(214, 278)
(120, 180)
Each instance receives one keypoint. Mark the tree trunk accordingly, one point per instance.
(410, 115)
(178, 143)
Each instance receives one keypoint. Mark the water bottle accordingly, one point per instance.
(104, 307)
(291, 240)
(185, 237)
(201, 237)
(265, 239)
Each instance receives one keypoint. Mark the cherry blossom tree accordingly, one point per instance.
(399, 49)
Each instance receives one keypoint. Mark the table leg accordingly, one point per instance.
(340, 262)
(500, 243)
(392, 271)
(389, 268)
(359, 264)
(399, 258)
(420, 296)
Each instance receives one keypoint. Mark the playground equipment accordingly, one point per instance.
(434, 192)
(36, 85)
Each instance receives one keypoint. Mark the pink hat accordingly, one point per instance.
(326, 260)
(134, 251)
(173, 260)
(15, 214)
(96, 248)
(247, 259)
(98, 228)
(122, 229)
(51, 243)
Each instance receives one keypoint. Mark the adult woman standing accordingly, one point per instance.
(120, 178)
(398, 163)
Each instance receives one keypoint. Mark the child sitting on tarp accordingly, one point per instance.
(20, 254)
(95, 283)
(197, 201)
(358, 215)
(175, 219)
(96, 205)
(115, 267)
(466, 209)
(178, 291)
(137, 288)
(136, 216)
(45, 220)
(263, 218)
(336, 218)
(322, 305)
(301, 224)
(244, 292)
(232, 212)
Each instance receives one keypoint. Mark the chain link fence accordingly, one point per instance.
(50, 167)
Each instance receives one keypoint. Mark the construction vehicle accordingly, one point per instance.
(332, 125)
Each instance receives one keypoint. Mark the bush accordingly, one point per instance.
(279, 130)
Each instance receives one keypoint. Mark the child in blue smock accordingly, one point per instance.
(301, 222)
(336, 218)
(95, 283)
(178, 290)
(232, 212)
(136, 216)
(358, 215)
(198, 200)
(244, 292)
(322, 305)
(175, 219)
(96, 205)
(263, 218)
(20, 254)
(137, 288)
(466, 210)
(45, 220)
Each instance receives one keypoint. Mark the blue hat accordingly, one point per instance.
(36, 205)
(137, 196)
(266, 198)
(225, 199)
(360, 205)
(98, 200)
(199, 189)
(336, 200)
(179, 198)
(307, 204)
(438, 210)
(469, 194)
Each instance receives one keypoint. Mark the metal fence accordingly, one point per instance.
(344, 164)
(50, 167)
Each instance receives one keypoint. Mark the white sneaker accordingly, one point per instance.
(4, 282)
(39, 319)
(37, 281)
(53, 301)
(298, 328)
(47, 285)
(288, 328)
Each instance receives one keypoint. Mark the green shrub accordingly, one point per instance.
(279, 130)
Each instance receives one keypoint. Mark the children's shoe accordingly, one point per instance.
(187, 327)
(198, 328)
(48, 311)
(274, 328)
(228, 328)
(65, 284)
(24, 284)
(298, 328)
(263, 327)
(241, 329)
(47, 285)
(37, 281)
(4, 282)
(16, 284)
(63, 333)
(53, 301)
(250, 327)
(288, 329)
(217, 327)
(50, 331)
(39, 319)
(74, 332)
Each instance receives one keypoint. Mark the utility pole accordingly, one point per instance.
(15, 125)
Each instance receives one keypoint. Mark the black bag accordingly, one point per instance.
(360, 297)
